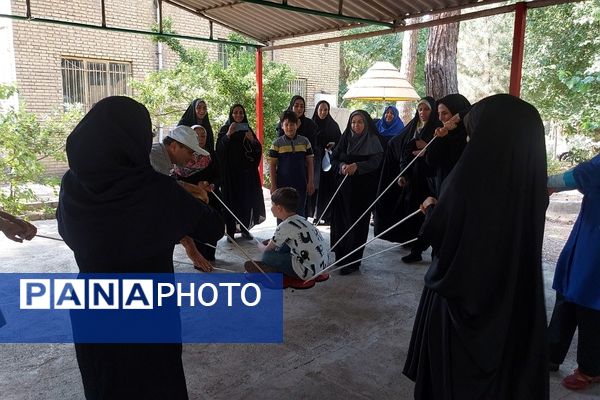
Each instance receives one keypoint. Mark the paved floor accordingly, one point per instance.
(344, 339)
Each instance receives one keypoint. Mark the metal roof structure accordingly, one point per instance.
(268, 20)
(265, 21)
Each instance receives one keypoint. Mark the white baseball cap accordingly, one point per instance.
(188, 137)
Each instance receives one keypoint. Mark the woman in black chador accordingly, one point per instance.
(445, 151)
(480, 329)
(328, 135)
(197, 114)
(239, 153)
(405, 196)
(110, 215)
(358, 155)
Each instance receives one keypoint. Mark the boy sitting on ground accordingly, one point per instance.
(297, 249)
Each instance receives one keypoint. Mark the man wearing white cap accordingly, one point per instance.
(178, 148)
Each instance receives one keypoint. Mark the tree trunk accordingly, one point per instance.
(440, 64)
(408, 65)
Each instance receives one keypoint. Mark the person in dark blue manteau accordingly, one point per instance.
(577, 280)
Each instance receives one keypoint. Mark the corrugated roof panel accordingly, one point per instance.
(261, 20)
(269, 23)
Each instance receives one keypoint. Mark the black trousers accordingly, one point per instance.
(565, 318)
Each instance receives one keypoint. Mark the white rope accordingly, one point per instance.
(376, 254)
(217, 268)
(332, 197)
(366, 243)
(234, 216)
(249, 258)
(382, 193)
(49, 237)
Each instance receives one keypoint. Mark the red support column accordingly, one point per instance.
(517, 49)
(259, 104)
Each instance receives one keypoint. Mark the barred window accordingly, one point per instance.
(297, 87)
(222, 54)
(88, 81)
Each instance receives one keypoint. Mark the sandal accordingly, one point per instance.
(579, 381)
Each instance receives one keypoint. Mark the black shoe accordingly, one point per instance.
(349, 269)
(247, 235)
(412, 258)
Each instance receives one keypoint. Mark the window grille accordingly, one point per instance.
(88, 81)
(297, 87)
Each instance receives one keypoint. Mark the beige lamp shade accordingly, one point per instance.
(382, 82)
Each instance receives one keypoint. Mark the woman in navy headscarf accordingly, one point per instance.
(390, 124)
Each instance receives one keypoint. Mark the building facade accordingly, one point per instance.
(54, 65)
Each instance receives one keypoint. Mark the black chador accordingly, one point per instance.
(398, 202)
(358, 191)
(118, 215)
(240, 182)
(480, 329)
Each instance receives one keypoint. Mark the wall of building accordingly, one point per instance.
(39, 48)
(319, 64)
(8, 73)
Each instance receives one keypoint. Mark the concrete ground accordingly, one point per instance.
(344, 339)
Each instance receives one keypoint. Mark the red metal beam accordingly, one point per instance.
(259, 105)
(516, 67)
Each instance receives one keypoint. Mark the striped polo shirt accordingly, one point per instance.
(291, 160)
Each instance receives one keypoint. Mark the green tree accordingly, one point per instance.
(561, 74)
(25, 140)
(168, 92)
(484, 56)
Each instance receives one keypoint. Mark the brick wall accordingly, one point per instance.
(39, 48)
(319, 65)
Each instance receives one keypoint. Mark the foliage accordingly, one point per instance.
(25, 140)
(168, 92)
(360, 54)
(555, 166)
(484, 56)
(561, 74)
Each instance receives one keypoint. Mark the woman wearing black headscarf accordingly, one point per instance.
(197, 114)
(445, 151)
(358, 155)
(480, 329)
(400, 201)
(108, 215)
(240, 152)
(328, 134)
(308, 129)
